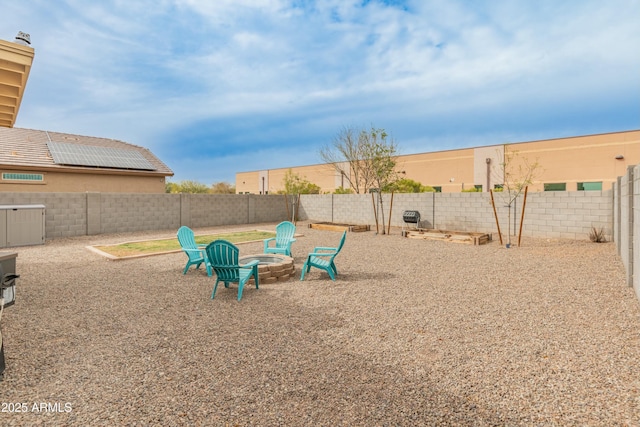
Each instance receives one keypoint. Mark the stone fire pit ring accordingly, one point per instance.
(272, 268)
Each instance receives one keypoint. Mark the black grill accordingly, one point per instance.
(411, 217)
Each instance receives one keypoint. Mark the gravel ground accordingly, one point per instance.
(412, 333)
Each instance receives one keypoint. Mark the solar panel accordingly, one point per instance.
(91, 155)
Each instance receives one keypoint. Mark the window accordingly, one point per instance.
(478, 188)
(498, 188)
(33, 177)
(438, 189)
(557, 186)
(590, 186)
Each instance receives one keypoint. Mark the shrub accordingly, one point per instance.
(596, 235)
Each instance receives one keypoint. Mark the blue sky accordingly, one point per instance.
(218, 87)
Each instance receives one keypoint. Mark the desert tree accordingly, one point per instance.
(406, 185)
(296, 185)
(518, 172)
(366, 158)
(222, 188)
(187, 186)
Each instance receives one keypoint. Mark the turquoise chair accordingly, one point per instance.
(223, 257)
(195, 253)
(322, 258)
(283, 240)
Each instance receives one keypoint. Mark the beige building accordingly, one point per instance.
(42, 161)
(591, 162)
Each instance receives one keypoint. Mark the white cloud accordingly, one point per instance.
(141, 70)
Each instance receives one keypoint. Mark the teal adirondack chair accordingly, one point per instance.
(322, 258)
(283, 240)
(196, 253)
(223, 256)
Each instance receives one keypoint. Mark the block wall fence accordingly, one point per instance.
(626, 224)
(561, 214)
(79, 214)
(557, 214)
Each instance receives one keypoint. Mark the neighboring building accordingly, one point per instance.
(42, 161)
(591, 162)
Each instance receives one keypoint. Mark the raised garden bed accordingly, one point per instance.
(469, 238)
(330, 226)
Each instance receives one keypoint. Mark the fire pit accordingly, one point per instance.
(272, 268)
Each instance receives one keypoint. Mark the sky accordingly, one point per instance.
(218, 87)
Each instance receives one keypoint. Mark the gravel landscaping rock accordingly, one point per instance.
(412, 333)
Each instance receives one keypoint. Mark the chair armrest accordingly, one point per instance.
(323, 248)
(322, 253)
(266, 242)
(250, 264)
(194, 250)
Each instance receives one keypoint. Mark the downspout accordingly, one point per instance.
(488, 160)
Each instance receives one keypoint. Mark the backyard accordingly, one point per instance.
(412, 332)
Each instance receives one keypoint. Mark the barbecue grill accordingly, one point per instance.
(7, 294)
(411, 217)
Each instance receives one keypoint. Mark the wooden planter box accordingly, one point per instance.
(329, 226)
(468, 238)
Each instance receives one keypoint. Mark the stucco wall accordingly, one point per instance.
(81, 182)
(591, 158)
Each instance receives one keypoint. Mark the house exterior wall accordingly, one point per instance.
(593, 158)
(83, 182)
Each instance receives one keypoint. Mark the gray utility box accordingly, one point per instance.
(21, 225)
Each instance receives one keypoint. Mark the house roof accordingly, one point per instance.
(29, 149)
(15, 64)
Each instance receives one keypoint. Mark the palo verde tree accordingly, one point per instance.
(365, 158)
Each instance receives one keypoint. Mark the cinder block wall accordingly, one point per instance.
(65, 213)
(635, 280)
(634, 270)
(547, 214)
(136, 212)
(625, 205)
(317, 206)
(626, 211)
(78, 214)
